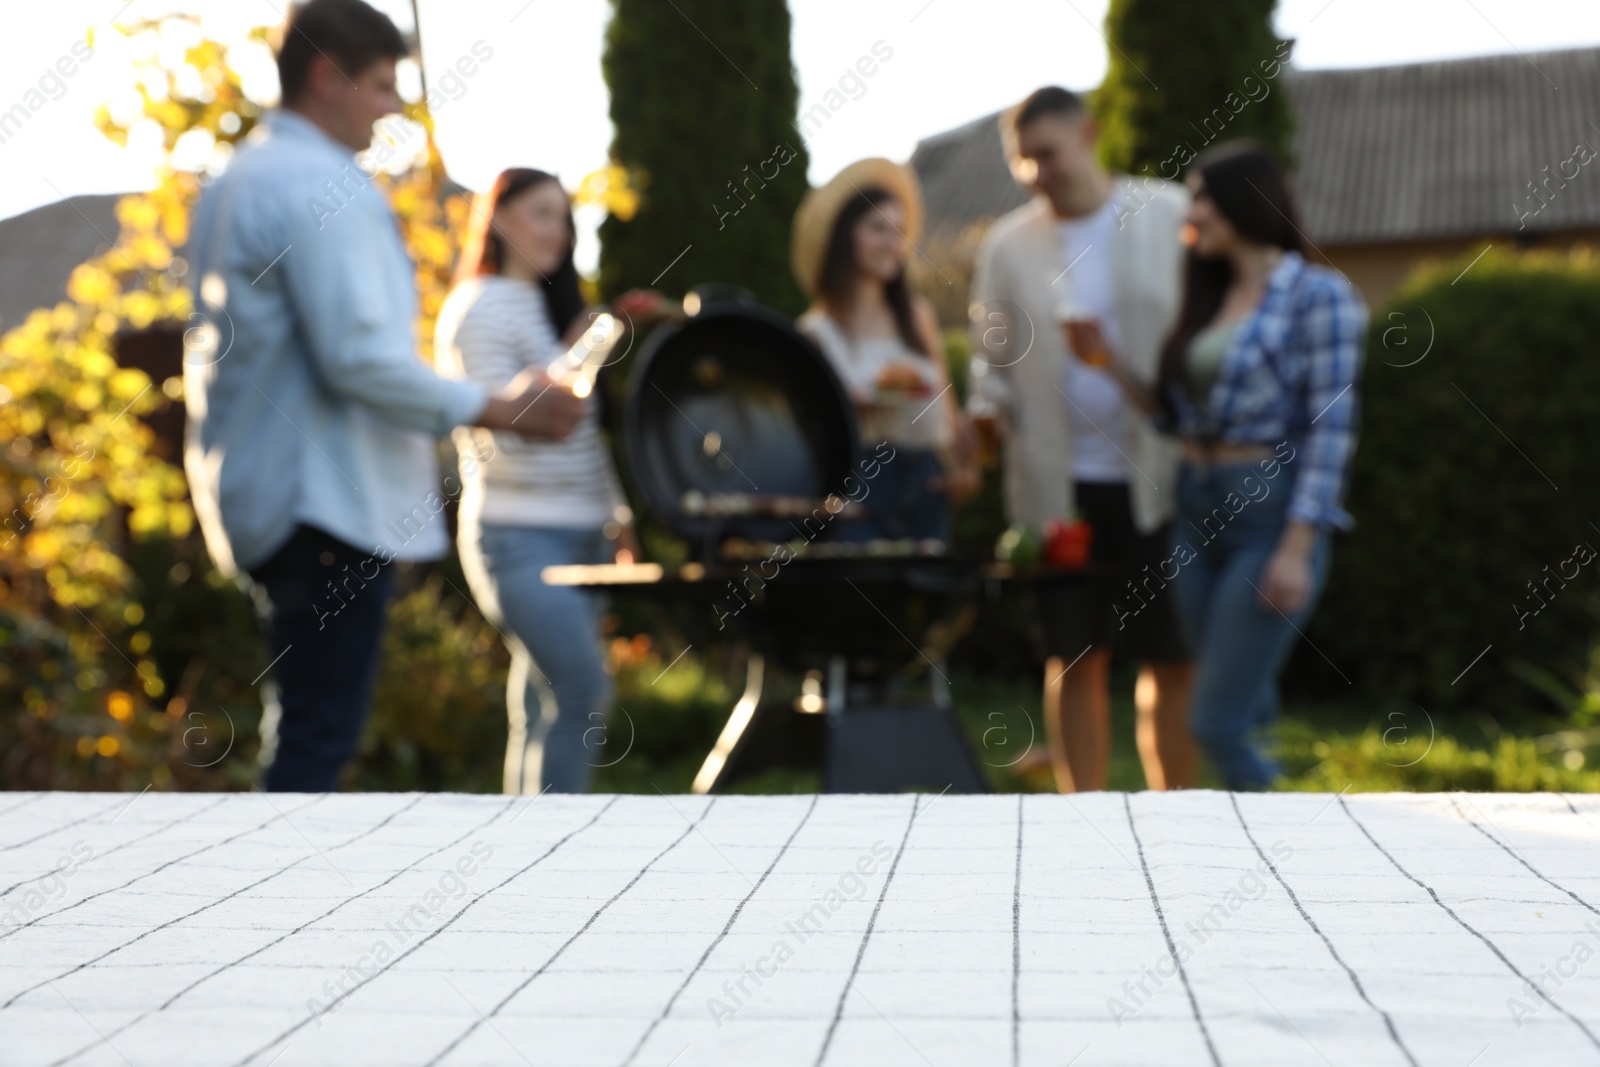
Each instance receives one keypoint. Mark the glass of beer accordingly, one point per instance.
(1084, 336)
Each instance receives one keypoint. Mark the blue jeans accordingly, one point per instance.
(902, 501)
(1240, 643)
(322, 605)
(552, 632)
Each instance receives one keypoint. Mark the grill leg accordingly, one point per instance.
(939, 686)
(717, 759)
(838, 677)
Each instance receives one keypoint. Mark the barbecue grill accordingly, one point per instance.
(734, 424)
(739, 437)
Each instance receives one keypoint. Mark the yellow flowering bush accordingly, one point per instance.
(83, 482)
(121, 649)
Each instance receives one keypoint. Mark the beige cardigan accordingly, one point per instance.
(1019, 353)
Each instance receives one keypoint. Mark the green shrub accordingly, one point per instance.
(439, 710)
(664, 720)
(71, 718)
(1475, 472)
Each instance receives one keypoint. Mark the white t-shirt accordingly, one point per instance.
(1097, 412)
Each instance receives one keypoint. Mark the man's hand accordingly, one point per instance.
(965, 436)
(960, 483)
(962, 478)
(533, 406)
(1087, 340)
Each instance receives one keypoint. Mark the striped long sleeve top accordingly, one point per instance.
(490, 329)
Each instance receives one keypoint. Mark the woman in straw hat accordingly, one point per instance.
(852, 238)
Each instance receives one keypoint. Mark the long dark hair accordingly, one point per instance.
(1252, 192)
(836, 285)
(484, 250)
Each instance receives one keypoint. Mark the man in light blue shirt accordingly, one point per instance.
(311, 438)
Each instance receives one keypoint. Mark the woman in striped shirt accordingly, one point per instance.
(526, 504)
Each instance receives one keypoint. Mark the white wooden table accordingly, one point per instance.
(1199, 927)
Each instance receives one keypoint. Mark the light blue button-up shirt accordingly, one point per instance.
(307, 401)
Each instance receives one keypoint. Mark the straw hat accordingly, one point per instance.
(813, 222)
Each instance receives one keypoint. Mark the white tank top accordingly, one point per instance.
(910, 421)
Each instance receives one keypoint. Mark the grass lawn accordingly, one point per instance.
(670, 720)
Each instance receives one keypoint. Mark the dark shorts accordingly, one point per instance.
(1102, 609)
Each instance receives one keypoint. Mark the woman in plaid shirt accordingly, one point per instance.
(1259, 380)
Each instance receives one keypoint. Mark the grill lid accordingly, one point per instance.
(735, 424)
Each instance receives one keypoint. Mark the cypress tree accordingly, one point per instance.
(1184, 75)
(704, 99)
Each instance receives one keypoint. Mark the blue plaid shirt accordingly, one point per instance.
(1290, 374)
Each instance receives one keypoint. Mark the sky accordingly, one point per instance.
(539, 99)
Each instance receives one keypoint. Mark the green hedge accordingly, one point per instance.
(1476, 470)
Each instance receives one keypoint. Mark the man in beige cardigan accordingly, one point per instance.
(1089, 246)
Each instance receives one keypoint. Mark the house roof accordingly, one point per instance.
(964, 175)
(1447, 149)
(40, 248)
(1424, 150)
